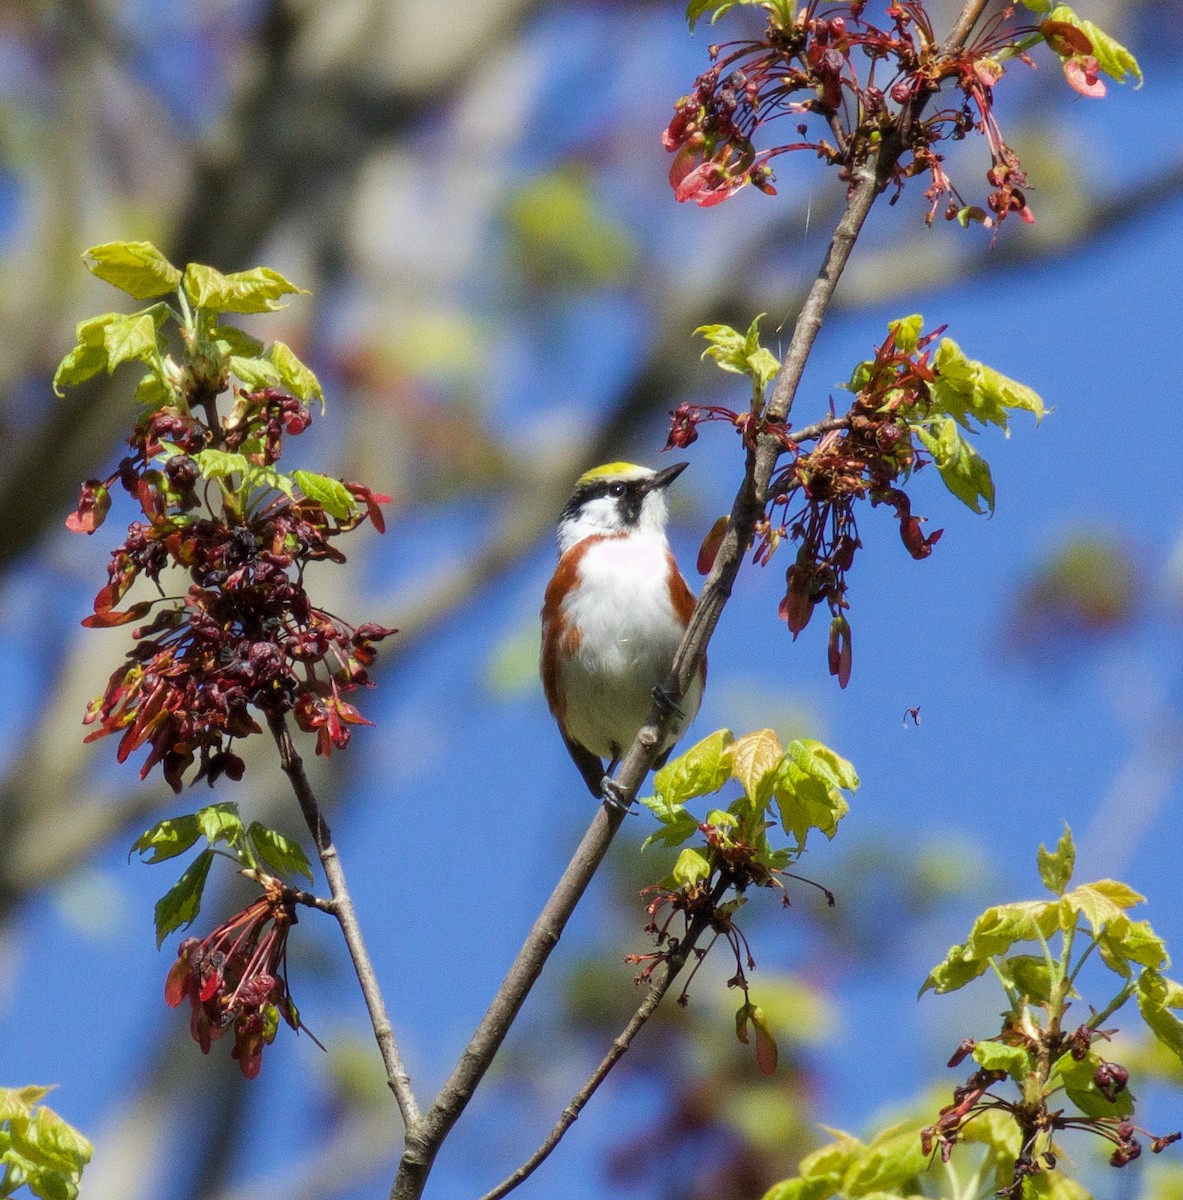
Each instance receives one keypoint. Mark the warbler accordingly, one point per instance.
(613, 616)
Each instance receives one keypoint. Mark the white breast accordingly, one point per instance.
(628, 634)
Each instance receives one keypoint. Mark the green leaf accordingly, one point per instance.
(812, 1187)
(221, 823)
(221, 464)
(1119, 893)
(137, 268)
(1056, 869)
(965, 390)
(1000, 927)
(255, 373)
(741, 353)
(1081, 1088)
(782, 10)
(235, 343)
(691, 868)
(38, 1148)
(180, 905)
(907, 332)
(678, 825)
(167, 839)
(1031, 975)
(281, 854)
(822, 763)
(834, 1158)
(331, 494)
(295, 376)
(132, 338)
(699, 771)
(996, 1056)
(254, 291)
(1156, 996)
(1112, 57)
(963, 470)
(993, 933)
(805, 802)
(890, 1161)
(755, 758)
(960, 966)
(1131, 942)
(1096, 908)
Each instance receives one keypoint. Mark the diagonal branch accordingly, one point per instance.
(669, 970)
(342, 909)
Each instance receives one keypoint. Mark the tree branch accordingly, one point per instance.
(342, 909)
(669, 971)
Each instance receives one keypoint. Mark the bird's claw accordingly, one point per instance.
(614, 795)
(666, 702)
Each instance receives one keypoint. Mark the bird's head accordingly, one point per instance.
(618, 497)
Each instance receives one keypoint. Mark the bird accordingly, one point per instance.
(613, 617)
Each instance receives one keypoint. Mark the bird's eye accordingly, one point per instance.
(616, 489)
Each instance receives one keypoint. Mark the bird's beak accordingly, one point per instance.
(663, 479)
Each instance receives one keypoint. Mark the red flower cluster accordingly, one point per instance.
(810, 68)
(237, 977)
(245, 633)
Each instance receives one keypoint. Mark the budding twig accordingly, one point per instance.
(341, 906)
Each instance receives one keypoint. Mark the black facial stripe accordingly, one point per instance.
(629, 503)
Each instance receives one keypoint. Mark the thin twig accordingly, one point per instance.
(342, 909)
(669, 971)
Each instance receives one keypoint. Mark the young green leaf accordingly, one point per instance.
(963, 470)
(1131, 942)
(907, 332)
(295, 376)
(132, 338)
(281, 854)
(38, 1148)
(254, 291)
(741, 353)
(782, 10)
(699, 771)
(221, 823)
(806, 802)
(180, 905)
(1030, 975)
(331, 494)
(1055, 869)
(255, 373)
(997, 1056)
(755, 758)
(137, 268)
(1080, 1085)
(89, 356)
(967, 390)
(818, 760)
(1157, 995)
(691, 868)
(221, 464)
(888, 1162)
(167, 839)
(1112, 57)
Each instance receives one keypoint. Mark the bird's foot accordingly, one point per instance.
(666, 702)
(615, 795)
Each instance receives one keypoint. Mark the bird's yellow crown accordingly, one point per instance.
(613, 470)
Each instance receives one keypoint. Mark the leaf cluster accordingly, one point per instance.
(38, 1149)
(253, 847)
(799, 787)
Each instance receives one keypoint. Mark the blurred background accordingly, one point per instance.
(504, 294)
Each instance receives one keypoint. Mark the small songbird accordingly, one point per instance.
(613, 617)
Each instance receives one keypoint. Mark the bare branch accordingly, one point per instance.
(669, 971)
(342, 909)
